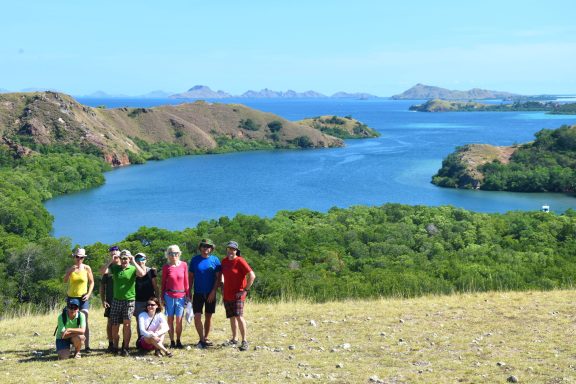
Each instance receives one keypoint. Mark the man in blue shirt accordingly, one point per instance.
(204, 275)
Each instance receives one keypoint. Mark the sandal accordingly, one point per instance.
(169, 354)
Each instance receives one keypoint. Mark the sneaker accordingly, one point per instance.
(124, 353)
(244, 346)
(87, 350)
(230, 343)
(179, 345)
(110, 348)
(172, 344)
(77, 355)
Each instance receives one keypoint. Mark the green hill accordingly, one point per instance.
(41, 121)
(548, 164)
(438, 105)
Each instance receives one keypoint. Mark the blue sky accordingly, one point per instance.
(134, 47)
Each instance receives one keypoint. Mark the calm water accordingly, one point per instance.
(397, 167)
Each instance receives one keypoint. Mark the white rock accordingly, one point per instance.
(313, 323)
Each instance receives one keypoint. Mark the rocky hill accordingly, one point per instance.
(201, 92)
(31, 121)
(424, 92)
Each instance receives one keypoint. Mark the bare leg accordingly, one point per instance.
(242, 326)
(234, 327)
(115, 335)
(178, 327)
(199, 326)
(109, 331)
(207, 324)
(171, 327)
(77, 342)
(87, 330)
(126, 333)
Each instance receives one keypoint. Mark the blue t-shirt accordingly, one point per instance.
(204, 270)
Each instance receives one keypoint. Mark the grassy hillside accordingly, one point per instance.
(44, 120)
(470, 338)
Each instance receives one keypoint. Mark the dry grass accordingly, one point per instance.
(472, 338)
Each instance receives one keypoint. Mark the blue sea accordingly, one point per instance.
(396, 167)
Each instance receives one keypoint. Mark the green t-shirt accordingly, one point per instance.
(124, 282)
(70, 323)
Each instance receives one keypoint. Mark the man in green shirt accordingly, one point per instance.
(70, 330)
(122, 309)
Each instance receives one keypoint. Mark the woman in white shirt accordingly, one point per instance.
(153, 327)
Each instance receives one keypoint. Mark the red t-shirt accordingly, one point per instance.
(175, 280)
(234, 272)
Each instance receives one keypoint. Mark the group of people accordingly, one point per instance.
(129, 288)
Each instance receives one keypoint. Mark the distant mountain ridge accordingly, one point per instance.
(427, 92)
(204, 92)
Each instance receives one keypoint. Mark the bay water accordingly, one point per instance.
(396, 167)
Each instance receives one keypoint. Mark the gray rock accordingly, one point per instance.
(291, 347)
(512, 379)
(339, 365)
(500, 363)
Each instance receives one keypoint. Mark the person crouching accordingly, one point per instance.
(70, 331)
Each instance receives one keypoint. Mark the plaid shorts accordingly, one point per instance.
(121, 310)
(234, 308)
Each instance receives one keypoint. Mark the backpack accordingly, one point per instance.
(65, 319)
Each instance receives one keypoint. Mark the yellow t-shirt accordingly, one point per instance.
(78, 283)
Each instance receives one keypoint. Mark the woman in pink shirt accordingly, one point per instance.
(175, 292)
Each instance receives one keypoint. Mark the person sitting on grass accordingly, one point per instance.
(152, 326)
(70, 330)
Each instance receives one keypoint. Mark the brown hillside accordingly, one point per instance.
(47, 118)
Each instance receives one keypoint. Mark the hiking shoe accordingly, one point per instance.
(201, 345)
(172, 344)
(124, 353)
(230, 343)
(244, 346)
(110, 348)
(179, 345)
(87, 350)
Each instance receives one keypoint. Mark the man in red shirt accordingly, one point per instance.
(238, 279)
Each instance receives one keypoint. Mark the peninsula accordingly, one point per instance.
(34, 122)
(552, 107)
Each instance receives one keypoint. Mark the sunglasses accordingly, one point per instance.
(79, 257)
(151, 305)
(124, 259)
(173, 253)
(73, 307)
(206, 246)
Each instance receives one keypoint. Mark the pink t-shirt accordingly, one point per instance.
(175, 280)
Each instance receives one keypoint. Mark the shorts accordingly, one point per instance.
(63, 344)
(234, 308)
(139, 307)
(174, 307)
(121, 310)
(84, 305)
(142, 344)
(199, 302)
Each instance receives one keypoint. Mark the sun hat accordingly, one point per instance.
(113, 248)
(233, 244)
(206, 241)
(125, 252)
(80, 252)
(140, 256)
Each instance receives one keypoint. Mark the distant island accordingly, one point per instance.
(552, 107)
(427, 92)
(548, 164)
(35, 122)
(204, 92)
